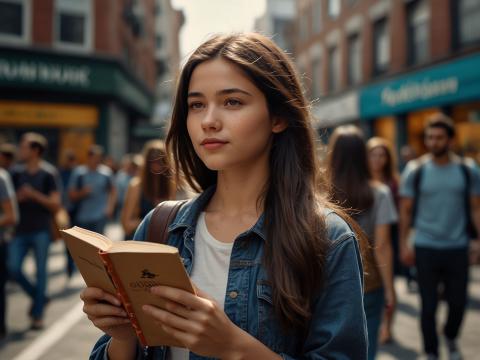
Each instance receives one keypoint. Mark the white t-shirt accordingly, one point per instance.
(210, 270)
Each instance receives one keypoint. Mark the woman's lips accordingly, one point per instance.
(213, 144)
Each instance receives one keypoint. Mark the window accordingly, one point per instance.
(281, 29)
(334, 7)
(158, 8)
(418, 33)
(468, 21)
(333, 69)
(159, 41)
(303, 25)
(354, 60)
(316, 78)
(381, 46)
(15, 21)
(73, 22)
(72, 29)
(317, 16)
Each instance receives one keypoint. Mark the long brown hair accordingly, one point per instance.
(296, 245)
(156, 185)
(390, 172)
(347, 168)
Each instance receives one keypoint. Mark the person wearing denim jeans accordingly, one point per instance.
(440, 197)
(37, 188)
(39, 243)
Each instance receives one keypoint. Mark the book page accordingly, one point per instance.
(142, 247)
(84, 248)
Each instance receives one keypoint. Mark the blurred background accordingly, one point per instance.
(83, 72)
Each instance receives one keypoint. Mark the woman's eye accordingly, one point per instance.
(195, 105)
(233, 102)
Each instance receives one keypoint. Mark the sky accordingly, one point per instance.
(206, 17)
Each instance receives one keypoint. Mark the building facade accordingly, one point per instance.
(278, 23)
(77, 71)
(169, 22)
(389, 64)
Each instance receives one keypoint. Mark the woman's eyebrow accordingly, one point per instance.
(194, 94)
(232, 91)
(220, 92)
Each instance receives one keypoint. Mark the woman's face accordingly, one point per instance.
(377, 158)
(228, 119)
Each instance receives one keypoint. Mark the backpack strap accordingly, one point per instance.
(162, 216)
(471, 230)
(417, 178)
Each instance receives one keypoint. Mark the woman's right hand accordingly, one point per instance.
(104, 310)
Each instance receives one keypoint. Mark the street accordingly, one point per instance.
(69, 335)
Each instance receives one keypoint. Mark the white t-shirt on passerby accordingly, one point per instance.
(210, 271)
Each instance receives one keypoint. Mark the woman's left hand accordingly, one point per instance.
(196, 321)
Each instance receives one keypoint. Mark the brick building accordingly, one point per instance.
(78, 71)
(167, 56)
(388, 64)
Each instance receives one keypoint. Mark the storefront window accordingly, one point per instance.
(385, 127)
(381, 48)
(418, 31)
(14, 20)
(467, 124)
(416, 122)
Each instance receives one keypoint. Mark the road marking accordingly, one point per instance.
(51, 335)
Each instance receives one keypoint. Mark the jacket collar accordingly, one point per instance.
(190, 211)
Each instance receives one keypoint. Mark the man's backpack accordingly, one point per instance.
(162, 216)
(417, 178)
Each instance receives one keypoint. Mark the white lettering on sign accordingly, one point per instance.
(56, 74)
(415, 91)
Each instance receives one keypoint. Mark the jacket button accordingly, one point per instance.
(233, 294)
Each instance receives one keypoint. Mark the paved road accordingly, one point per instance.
(69, 335)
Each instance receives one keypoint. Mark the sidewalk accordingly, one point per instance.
(407, 335)
(76, 336)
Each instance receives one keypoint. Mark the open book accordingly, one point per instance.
(129, 269)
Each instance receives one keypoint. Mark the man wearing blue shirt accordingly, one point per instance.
(440, 198)
(92, 192)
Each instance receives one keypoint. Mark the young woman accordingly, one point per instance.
(371, 204)
(155, 184)
(383, 168)
(278, 273)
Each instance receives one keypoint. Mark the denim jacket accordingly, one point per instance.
(337, 329)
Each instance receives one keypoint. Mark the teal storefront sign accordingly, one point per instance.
(63, 73)
(438, 85)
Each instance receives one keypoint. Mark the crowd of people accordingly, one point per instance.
(320, 244)
(37, 198)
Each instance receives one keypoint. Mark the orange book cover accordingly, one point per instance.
(129, 269)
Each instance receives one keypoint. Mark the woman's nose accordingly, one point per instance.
(211, 119)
